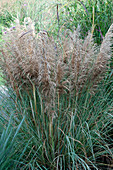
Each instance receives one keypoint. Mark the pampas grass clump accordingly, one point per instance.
(64, 66)
(53, 121)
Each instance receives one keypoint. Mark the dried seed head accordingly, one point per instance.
(62, 65)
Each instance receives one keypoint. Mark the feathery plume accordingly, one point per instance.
(65, 65)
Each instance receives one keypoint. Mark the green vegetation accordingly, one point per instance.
(56, 105)
(98, 14)
(78, 135)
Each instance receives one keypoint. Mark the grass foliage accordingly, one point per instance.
(56, 108)
(77, 136)
(98, 13)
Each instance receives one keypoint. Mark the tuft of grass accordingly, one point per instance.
(56, 111)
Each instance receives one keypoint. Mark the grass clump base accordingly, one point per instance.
(79, 135)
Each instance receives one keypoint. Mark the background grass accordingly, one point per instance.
(71, 13)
